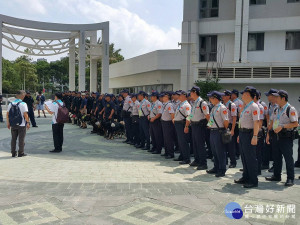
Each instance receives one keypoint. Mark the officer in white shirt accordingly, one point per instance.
(18, 130)
(126, 115)
(248, 132)
(182, 127)
(144, 112)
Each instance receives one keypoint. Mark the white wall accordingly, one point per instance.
(274, 50)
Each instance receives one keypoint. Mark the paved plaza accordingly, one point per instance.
(96, 181)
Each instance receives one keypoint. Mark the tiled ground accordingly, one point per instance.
(95, 181)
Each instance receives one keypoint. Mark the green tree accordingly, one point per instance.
(11, 80)
(208, 85)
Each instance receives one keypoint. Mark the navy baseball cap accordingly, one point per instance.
(142, 93)
(216, 94)
(250, 89)
(281, 93)
(183, 93)
(155, 93)
(227, 93)
(133, 95)
(235, 91)
(271, 92)
(125, 91)
(194, 89)
(177, 92)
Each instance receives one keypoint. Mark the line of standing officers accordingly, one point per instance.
(183, 122)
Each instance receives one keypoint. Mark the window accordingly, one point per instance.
(256, 42)
(292, 1)
(209, 8)
(257, 2)
(292, 40)
(208, 48)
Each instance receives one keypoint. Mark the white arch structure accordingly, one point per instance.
(47, 39)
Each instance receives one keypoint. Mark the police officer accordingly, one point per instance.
(183, 110)
(144, 112)
(232, 116)
(260, 137)
(30, 104)
(135, 120)
(248, 131)
(120, 103)
(156, 132)
(168, 128)
(126, 115)
(283, 120)
(218, 122)
(198, 118)
(268, 155)
(108, 114)
(239, 104)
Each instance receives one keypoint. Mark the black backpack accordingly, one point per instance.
(15, 115)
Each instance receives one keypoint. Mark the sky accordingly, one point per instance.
(136, 26)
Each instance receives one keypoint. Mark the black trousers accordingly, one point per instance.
(128, 128)
(259, 150)
(248, 154)
(183, 141)
(156, 134)
(135, 130)
(169, 134)
(198, 137)
(207, 142)
(283, 147)
(144, 131)
(234, 139)
(31, 116)
(58, 136)
(218, 150)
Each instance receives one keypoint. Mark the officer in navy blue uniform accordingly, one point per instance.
(120, 103)
(29, 101)
(284, 120)
(248, 132)
(156, 132)
(108, 113)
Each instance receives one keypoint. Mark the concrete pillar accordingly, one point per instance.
(93, 65)
(238, 33)
(244, 52)
(82, 57)
(72, 65)
(0, 57)
(105, 59)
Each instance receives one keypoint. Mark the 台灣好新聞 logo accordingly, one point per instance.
(233, 210)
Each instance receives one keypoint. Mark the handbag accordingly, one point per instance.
(225, 134)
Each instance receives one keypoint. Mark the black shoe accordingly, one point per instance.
(13, 154)
(209, 156)
(93, 132)
(289, 183)
(273, 178)
(156, 152)
(184, 162)
(202, 167)
(232, 166)
(126, 141)
(169, 157)
(140, 146)
(250, 185)
(241, 170)
(177, 159)
(22, 155)
(265, 167)
(146, 148)
(220, 175)
(240, 181)
(55, 151)
(211, 171)
(45, 116)
(35, 126)
(297, 164)
(38, 117)
(131, 143)
(194, 163)
(271, 170)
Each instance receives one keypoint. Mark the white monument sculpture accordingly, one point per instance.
(47, 39)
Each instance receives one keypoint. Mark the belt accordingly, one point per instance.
(135, 115)
(144, 117)
(180, 121)
(217, 129)
(246, 130)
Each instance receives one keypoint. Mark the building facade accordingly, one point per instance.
(242, 42)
